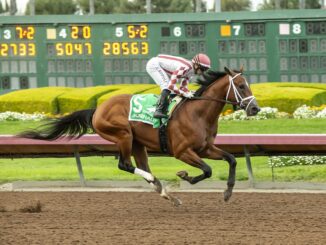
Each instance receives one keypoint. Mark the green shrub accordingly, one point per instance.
(33, 100)
(288, 97)
(83, 98)
(127, 89)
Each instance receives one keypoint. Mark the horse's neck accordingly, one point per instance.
(212, 108)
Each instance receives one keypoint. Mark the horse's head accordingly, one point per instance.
(239, 92)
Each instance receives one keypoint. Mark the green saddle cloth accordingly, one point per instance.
(143, 106)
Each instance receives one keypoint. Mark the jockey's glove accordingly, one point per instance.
(188, 95)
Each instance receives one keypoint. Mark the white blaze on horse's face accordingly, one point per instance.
(242, 94)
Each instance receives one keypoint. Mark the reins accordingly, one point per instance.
(216, 100)
(237, 95)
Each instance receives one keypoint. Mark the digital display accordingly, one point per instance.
(125, 48)
(17, 49)
(80, 32)
(195, 30)
(318, 27)
(137, 31)
(17, 41)
(254, 29)
(183, 47)
(82, 51)
(25, 32)
(71, 49)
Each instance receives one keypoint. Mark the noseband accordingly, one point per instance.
(238, 97)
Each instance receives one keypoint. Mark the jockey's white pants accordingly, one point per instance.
(160, 77)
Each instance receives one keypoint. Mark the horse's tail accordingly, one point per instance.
(72, 126)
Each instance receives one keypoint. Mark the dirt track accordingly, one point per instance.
(145, 218)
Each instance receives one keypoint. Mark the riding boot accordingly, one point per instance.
(162, 105)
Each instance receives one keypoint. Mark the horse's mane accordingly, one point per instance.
(207, 78)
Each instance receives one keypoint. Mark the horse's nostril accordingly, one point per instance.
(255, 109)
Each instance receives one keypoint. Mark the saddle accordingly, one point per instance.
(142, 108)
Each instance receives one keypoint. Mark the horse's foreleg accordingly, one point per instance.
(231, 179)
(140, 155)
(194, 160)
(218, 154)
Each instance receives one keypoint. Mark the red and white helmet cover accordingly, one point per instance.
(202, 60)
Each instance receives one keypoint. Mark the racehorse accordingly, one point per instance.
(191, 129)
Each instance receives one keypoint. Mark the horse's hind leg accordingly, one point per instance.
(140, 155)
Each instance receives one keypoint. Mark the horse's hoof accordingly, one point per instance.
(157, 185)
(227, 195)
(182, 174)
(175, 201)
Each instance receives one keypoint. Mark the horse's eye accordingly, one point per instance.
(241, 86)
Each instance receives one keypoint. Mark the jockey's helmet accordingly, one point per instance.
(202, 60)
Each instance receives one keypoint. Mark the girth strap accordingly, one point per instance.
(163, 138)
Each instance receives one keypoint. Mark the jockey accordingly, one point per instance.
(167, 70)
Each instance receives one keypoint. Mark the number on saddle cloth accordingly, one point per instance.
(143, 106)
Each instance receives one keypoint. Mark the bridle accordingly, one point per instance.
(238, 97)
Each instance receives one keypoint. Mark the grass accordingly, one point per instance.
(271, 126)
(274, 126)
(13, 127)
(105, 168)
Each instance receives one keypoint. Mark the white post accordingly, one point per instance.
(198, 6)
(91, 7)
(217, 6)
(148, 7)
(32, 7)
(302, 4)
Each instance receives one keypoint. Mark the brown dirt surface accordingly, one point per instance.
(146, 218)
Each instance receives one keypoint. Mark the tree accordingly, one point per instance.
(100, 6)
(313, 4)
(2, 10)
(53, 7)
(202, 7)
(172, 6)
(132, 7)
(13, 7)
(158, 6)
(289, 4)
(235, 5)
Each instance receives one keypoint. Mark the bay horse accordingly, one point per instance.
(191, 129)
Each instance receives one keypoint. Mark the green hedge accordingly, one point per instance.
(83, 98)
(33, 100)
(284, 96)
(127, 89)
(289, 96)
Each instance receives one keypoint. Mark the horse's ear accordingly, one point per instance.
(228, 71)
(241, 69)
